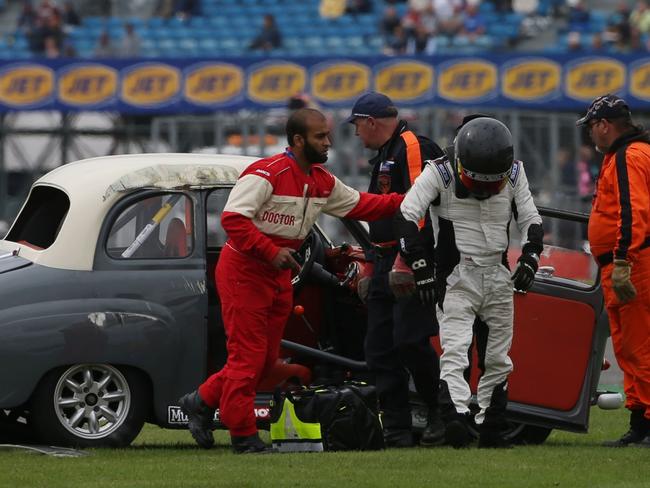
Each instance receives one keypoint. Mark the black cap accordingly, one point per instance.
(605, 107)
(373, 104)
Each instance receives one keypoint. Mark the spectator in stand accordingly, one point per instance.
(578, 15)
(574, 41)
(48, 27)
(27, 19)
(50, 48)
(104, 48)
(331, 9)
(618, 31)
(130, 43)
(473, 23)
(421, 41)
(504, 6)
(184, 9)
(269, 37)
(46, 10)
(597, 44)
(389, 22)
(29, 25)
(640, 17)
(70, 17)
(397, 42)
(450, 25)
(355, 7)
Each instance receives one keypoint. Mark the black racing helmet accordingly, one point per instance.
(483, 156)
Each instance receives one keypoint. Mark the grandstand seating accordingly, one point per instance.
(226, 28)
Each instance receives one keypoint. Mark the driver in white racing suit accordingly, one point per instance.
(472, 194)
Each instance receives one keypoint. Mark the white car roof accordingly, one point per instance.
(94, 185)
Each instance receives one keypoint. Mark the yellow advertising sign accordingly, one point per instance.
(593, 77)
(531, 79)
(276, 81)
(150, 84)
(87, 84)
(23, 85)
(640, 79)
(213, 83)
(405, 80)
(336, 82)
(467, 80)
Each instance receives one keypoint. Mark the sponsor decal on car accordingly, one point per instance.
(176, 416)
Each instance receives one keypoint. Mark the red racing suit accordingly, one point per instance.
(619, 228)
(274, 204)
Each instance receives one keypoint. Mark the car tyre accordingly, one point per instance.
(90, 405)
(523, 434)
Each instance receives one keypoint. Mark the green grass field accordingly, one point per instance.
(169, 458)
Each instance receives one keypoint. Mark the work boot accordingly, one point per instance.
(200, 418)
(249, 444)
(434, 432)
(457, 432)
(398, 438)
(639, 429)
(491, 436)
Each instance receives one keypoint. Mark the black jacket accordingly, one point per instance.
(390, 173)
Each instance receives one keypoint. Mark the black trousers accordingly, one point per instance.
(398, 343)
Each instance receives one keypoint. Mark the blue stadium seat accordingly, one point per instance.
(313, 43)
(93, 21)
(208, 45)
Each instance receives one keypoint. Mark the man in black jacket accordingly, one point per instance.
(399, 325)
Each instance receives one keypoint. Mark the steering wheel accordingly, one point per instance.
(306, 256)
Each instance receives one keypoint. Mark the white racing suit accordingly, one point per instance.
(472, 238)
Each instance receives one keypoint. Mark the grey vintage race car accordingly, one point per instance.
(110, 312)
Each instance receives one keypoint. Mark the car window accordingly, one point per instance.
(566, 254)
(41, 218)
(216, 202)
(154, 227)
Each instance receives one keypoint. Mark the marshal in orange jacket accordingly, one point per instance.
(619, 225)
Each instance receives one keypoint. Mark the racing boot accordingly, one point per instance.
(639, 430)
(249, 444)
(434, 432)
(491, 436)
(200, 418)
(494, 423)
(457, 433)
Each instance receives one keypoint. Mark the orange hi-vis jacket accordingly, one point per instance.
(619, 225)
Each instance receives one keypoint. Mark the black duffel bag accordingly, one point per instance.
(330, 418)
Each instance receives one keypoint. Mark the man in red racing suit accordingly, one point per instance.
(619, 237)
(269, 213)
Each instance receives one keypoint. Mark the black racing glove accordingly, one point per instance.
(524, 274)
(424, 281)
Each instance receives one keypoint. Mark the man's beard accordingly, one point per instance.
(313, 156)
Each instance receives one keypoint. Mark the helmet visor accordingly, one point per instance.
(482, 185)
